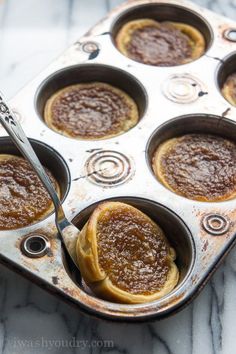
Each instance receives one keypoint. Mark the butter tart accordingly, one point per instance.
(229, 89)
(124, 256)
(197, 166)
(160, 43)
(91, 111)
(23, 199)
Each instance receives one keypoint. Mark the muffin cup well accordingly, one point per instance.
(49, 158)
(87, 73)
(189, 124)
(225, 68)
(174, 229)
(164, 12)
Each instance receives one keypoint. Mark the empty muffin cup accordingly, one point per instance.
(91, 102)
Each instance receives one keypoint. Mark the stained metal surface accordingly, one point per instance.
(120, 167)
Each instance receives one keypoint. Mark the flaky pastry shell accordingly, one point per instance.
(94, 275)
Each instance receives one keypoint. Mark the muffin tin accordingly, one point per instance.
(171, 101)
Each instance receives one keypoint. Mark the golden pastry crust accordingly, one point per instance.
(91, 111)
(229, 89)
(197, 166)
(124, 35)
(23, 199)
(90, 257)
(196, 40)
(190, 37)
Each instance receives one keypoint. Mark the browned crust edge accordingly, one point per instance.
(96, 278)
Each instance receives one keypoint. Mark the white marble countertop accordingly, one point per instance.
(33, 33)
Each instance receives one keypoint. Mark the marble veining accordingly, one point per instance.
(33, 33)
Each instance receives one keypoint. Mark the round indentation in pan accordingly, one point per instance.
(189, 124)
(225, 69)
(89, 73)
(164, 12)
(183, 88)
(90, 47)
(35, 246)
(108, 168)
(230, 34)
(49, 157)
(216, 224)
(176, 232)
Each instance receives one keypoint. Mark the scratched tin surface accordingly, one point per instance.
(120, 168)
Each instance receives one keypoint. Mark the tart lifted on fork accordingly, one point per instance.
(124, 256)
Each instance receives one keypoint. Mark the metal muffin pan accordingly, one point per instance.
(171, 101)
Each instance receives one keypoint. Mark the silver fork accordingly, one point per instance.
(67, 232)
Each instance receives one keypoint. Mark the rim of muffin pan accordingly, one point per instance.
(49, 158)
(226, 67)
(164, 12)
(189, 124)
(175, 229)
(87, 73)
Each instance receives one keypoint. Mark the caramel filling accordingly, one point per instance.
(93, 110)
(163, 46)
(201, 167)
(23, 199)
(132, 251)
